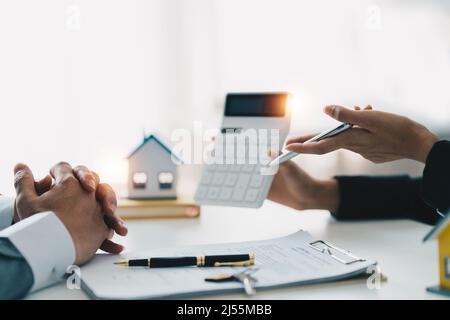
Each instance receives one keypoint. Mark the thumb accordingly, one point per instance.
(363, 119)
(24, 180)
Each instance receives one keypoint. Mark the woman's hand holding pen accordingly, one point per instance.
(377, 136)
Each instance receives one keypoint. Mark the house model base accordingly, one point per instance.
(439, 290)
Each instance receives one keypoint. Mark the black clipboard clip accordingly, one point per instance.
(341, 255)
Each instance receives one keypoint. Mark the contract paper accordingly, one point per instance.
(285, 261)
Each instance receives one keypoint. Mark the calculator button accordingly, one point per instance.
(206, 178)
(225, 193)
(231, 179)
(213, 193)
(239, 190)
(222, 167)
(256, 181)
(218, 178)
(211, 167)
(235, 167)
(201, 192)
(252, 195)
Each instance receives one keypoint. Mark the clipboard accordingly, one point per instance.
(293, 260)
(341, 255)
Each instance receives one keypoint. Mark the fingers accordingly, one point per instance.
(300, 139)
(323, 146)
(96, 177)
(362, 119)
(272, 154)
(107, 198)
(116, 223)
(61, 171)
(352, 140)
(89, 180)
(111, 247)
(339, 113)
(110, 234)
(43, 185)
(368, 107)
(24, 181)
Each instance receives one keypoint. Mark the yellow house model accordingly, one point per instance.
(442, 232)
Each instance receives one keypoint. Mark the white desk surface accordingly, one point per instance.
(409, 264)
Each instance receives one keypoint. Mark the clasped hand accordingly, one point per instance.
(84, 205)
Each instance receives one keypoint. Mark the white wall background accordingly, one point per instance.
(80, 79)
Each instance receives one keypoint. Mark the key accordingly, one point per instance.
(206, 178)
(222, 167)
(248, 167)
(220, 277)
(211, 167)
(257, 180)
(248, 286)
(201, 192)
(225, 193)
(213, 193)
(235, 167)
(218, 178)
(252, 195)
(245, 277)
(231, 179)
(247, 280)
(228, 276)
(241, 186)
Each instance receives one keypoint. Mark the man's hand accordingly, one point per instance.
(105, 195)
(76, 207)
(107, 198)
(293, 187)
(377, 136)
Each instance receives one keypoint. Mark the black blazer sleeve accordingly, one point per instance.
(399, 197)
(436, 177)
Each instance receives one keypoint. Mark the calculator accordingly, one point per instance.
(233, 185)
(239, 178)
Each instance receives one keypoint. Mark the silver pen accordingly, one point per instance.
(288, 155)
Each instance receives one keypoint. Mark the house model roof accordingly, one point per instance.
(438, 228)
(159, 142)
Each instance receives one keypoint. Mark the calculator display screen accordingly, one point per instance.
(256, 104)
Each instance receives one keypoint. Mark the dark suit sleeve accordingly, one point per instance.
(390, 197)
(16, 276)
(399, 197)
(436, 177)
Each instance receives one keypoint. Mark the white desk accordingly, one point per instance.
(409, 264)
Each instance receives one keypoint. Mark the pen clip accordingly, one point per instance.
(244, 263)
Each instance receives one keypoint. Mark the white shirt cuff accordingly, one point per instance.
(6, 211)
(46, 245)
